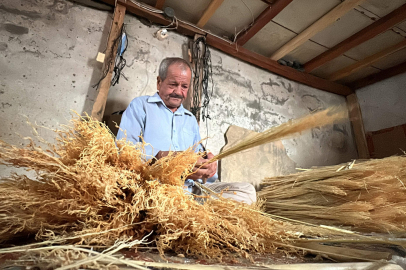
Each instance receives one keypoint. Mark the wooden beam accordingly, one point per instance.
(183, 28)
(357, 123)
(366, 62)
(365, 34)
(213, 6)
(316, 27)
(383, 75)
(273, 66)
(159, 4)
(263, 19)
(241, 53)
(108, 66)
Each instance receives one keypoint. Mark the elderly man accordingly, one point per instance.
(166, 125)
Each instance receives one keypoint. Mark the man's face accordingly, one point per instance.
(173, 90)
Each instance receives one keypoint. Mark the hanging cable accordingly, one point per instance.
(202, 70)
(119, 63)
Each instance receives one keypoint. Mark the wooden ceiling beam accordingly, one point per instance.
(208, 13)
(159, 4)
(365, 34)
(240, 52)
(329, 18)
(366, 62)
(274, 67)
(383, 75)
(263, 19)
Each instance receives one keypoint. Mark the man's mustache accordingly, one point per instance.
(176, 96)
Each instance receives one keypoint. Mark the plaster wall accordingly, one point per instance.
(383, 104)
(47, 68)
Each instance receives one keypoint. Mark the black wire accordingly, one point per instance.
(202, 66)
(120, 61)
(118, 66)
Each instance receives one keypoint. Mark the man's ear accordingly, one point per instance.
(158, 83)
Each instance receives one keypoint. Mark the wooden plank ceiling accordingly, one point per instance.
(333, 45)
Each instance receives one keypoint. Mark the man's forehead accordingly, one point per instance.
(177, 66)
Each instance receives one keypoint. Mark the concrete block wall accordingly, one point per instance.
(47, 68)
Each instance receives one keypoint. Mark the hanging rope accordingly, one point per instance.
(202, 69)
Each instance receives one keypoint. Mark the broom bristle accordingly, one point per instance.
(369, 197)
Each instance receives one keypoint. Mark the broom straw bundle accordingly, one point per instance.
(88, 183)
(368, 196)
(287, 130)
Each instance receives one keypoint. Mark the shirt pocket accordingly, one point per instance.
(188, 137)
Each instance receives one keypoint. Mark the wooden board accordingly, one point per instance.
(104, 87)
(264, 18)
(160, 4)
(365, 34)
(316, 27)
(366, 62)
(387, 142)
(383, 75)
(213, 6)
(357, 126)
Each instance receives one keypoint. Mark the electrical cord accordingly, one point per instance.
(202, 76)
(120, 62)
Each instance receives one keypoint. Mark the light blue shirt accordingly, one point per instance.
(163, 129)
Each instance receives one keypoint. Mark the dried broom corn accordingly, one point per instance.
(369, 197)
(87, 183)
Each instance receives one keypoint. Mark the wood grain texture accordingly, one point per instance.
(108, 66)
(208, 13)
(316, 27)
(159, 4)
(365, 34)
(366, 62)
(357, 123)
(383, 75)
(263, 19)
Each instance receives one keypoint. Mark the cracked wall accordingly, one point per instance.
(48, 67)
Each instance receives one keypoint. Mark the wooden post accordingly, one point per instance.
(354, 111)
(108, 66)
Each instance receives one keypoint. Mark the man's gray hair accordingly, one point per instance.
(163, 67)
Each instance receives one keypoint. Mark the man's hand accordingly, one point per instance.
(203, 169)
(161, 154)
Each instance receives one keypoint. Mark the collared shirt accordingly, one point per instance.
(162, 129)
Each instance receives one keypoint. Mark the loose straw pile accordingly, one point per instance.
(368, 196)
(86, 185)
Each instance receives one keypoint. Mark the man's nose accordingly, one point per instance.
(178, 90)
